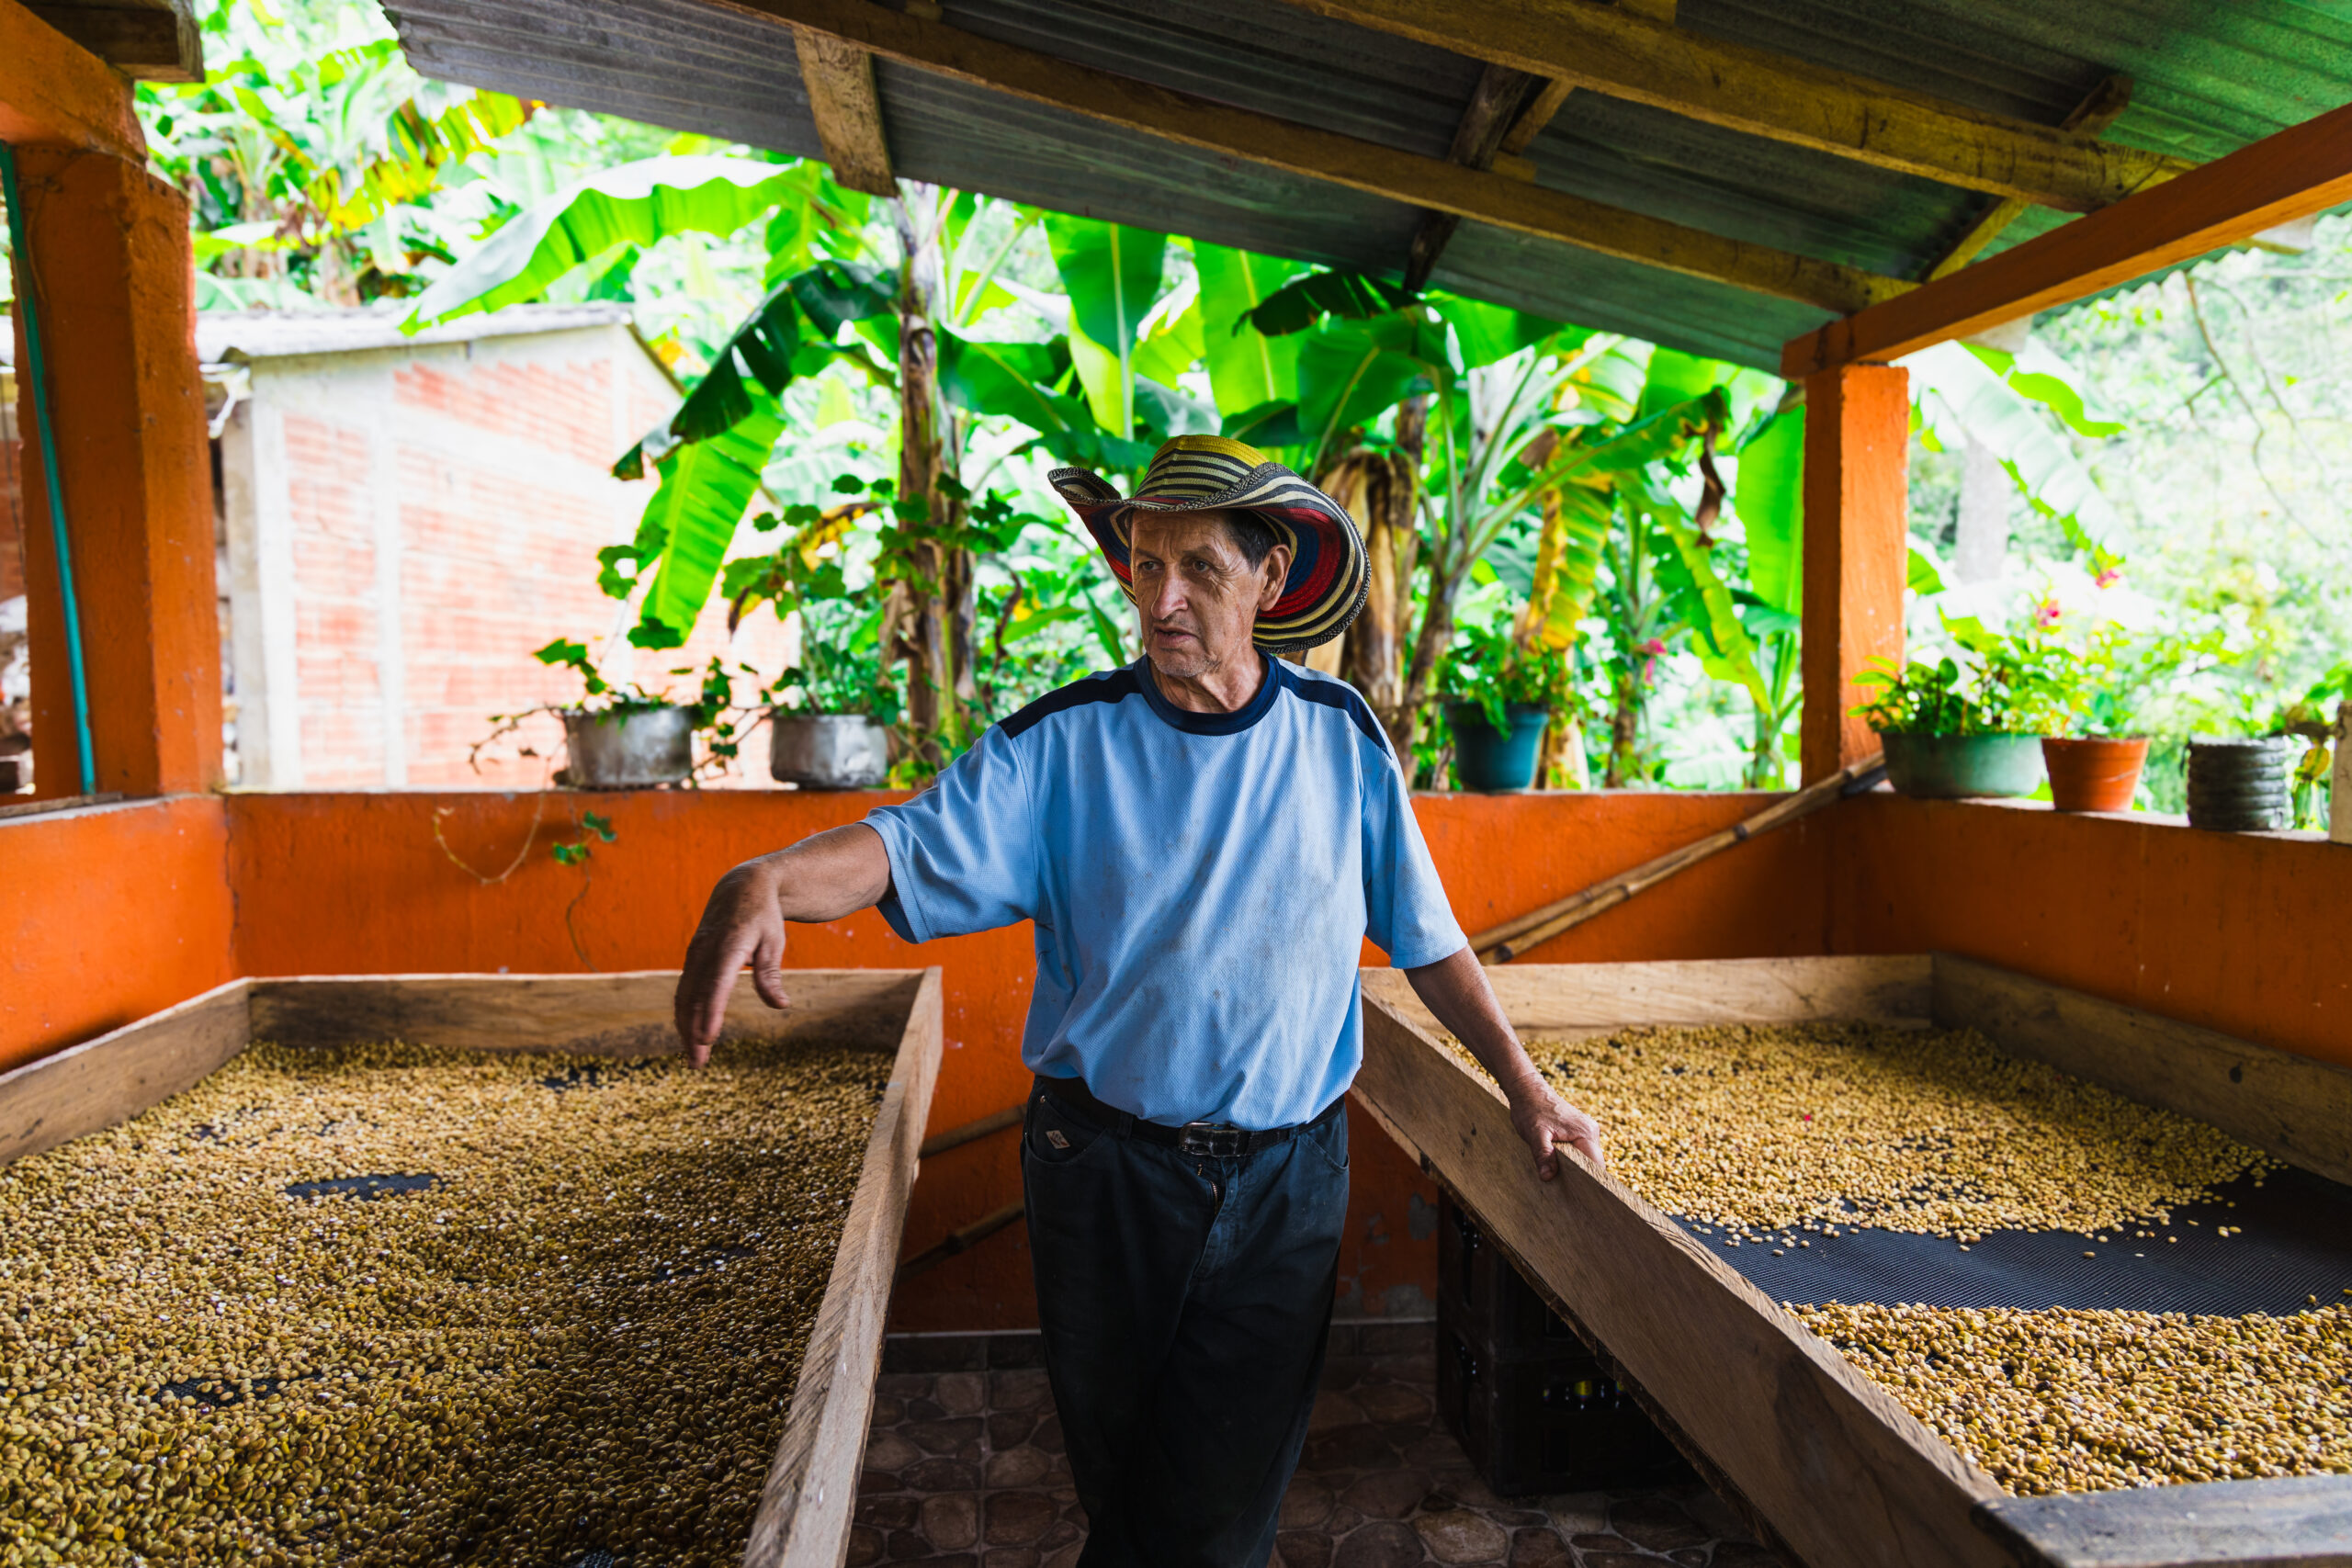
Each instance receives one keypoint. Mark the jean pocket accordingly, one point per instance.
(1330, 1141)
(1055, 1134)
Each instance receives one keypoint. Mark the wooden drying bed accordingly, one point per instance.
(1826, 1463)
(803, 1519)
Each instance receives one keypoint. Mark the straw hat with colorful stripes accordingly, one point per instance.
(1329, 573)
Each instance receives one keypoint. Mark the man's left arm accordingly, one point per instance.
(1455, 989)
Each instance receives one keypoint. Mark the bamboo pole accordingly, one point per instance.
(1501, 943)
(979, 1230)
(957, 1137)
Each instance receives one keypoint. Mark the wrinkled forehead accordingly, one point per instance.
(1167, 532)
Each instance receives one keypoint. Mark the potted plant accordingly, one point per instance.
(1953, 733)
(1500, 695)
(628, 738)
(2093, 758)
(828, 725)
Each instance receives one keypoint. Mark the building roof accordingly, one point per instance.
(223, 335)
(2204, 79)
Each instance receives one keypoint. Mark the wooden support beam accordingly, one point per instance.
(1315, 153)
(1857, 550)
(840, 80)
(55, 93)
(2302, 170)
(146, 43)
(2106, 103)
(1495, 108)
(1553, 93)
(1613, 51)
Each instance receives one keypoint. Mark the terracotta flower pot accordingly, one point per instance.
(2093, 775)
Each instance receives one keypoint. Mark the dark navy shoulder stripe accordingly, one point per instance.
(1341, 696)
(1111, 686)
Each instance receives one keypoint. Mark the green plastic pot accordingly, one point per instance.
(1488, 758)
(1956, 767)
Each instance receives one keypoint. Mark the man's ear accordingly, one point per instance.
(1276, 567)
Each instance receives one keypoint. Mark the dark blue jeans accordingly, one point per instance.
(1185, 1302)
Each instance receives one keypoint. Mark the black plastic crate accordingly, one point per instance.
(1483, 1297)
(1534, 1408)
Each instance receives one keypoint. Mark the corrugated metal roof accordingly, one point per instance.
(2209, 78)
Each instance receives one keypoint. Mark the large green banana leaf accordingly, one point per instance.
(1112, 275)
(635, 204)
(790, 333)
(707, 486)
(1303, 302)
(1768, 495)
(1248, 370)
(1488, 332)
(1014, 380)
(1352, 371)
(1725, 647)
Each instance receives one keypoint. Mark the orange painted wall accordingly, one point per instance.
(2250, 933)
(107, 914)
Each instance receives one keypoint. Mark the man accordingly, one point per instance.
(1203, 839)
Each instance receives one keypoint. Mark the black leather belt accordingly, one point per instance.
(1213, 1140)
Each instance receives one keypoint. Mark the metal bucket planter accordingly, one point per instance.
(1957, 767)
(827, 751)
(1488, 758)
(628, 749)
(2093, 775)
(2240, 785)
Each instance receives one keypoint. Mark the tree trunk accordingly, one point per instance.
(1624, 723)
(936, 602)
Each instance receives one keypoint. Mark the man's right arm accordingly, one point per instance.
(822, 877)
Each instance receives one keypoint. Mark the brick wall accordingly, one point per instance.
(448, 501)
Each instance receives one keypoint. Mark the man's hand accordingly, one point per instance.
(1455, 989)
(1549, 1124)
(824, 877)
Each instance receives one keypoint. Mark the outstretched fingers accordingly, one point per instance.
(703, 989)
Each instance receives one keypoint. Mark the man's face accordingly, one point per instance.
(1199, 594)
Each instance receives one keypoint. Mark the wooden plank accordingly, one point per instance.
(100, 1082)
(1616, 51)
(599, 1015)
(146, 43)
(1435, 183)
(1494, 109)
(1546, 997)
(848, 112)
(2290, 1106)
(55, 93)
(2304, 1520)
(2105, 104)
(1844, 1475)
(804, 1515)
(2301, 171)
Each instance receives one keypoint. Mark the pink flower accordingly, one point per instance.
(2109, 578)
(1655, 647)
(2046, 615)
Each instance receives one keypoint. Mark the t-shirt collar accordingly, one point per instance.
(1192, 723)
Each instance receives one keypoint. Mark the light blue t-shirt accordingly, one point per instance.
(1201, 884)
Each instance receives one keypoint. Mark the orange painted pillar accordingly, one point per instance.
(1857, 550)
(110, 269)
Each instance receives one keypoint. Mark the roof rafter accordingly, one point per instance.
(842, 99)
(1495, 107)
(2094, 113)
(1618, 52)
(2301, 170)
(1329, 155)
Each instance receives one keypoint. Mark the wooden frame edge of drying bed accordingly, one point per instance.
(2290, 1105)
(804, 1514)
(55, 1099)
(1842, 1474)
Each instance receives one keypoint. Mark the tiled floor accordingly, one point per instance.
(965, 1470)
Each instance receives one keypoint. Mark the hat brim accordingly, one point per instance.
(1329, 577)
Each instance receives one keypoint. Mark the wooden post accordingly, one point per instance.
(1857, 550)
(110, 269)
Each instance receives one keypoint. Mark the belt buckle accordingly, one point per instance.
(1212, 1140)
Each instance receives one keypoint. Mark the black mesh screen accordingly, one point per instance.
(2297, 1245)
